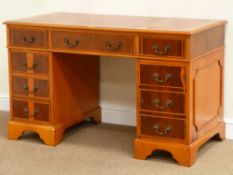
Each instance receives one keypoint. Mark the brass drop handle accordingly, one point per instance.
(25, 40)
(167, 77)
(113, 47)
(70, 44)
(35, 89)
(156, 103)
(34, 113)
(30, 68)
(157, 129)
(165, 51)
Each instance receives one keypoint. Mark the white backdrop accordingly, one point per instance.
(117, 75)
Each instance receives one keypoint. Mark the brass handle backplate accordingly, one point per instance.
(166, 130)
(165, 51)
(71, 44)
(35, 89)
(34, 113)
(156, 103)
(167, 77)
(113, 47)
(25, 40)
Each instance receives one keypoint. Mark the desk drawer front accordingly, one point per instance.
(28, 38)
(112, 43)
(162, 47)
(20, 109)
(24, 62)
(19, 61)
(162, 101)
(20, 85)
(31, 110)
(30, 87)
(40, 63)
(41, 111)
(71, 40)
(162, 127)
(161, 75)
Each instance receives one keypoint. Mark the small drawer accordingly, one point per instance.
(20, 109)
(31, 110)
(30, 62)
(162, 75)
(162, 47)
(19, 61)
(162, 101)
(113, 43)
(30, 87)
(28, 38)
(162, 127)
(71, 40)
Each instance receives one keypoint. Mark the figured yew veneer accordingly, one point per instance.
(54, 77)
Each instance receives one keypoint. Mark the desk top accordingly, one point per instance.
(119, 23)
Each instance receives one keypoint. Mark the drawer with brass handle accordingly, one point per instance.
(162, 127)
(162, 47)
(31, 87)
(28, 38)
(114, 43)
(71, 40)
(31, 110)
(162, 75)
(170, 102)
(29, 62)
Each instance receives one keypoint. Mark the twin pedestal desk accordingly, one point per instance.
(54, 77)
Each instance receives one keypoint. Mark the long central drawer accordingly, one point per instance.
(97, 42)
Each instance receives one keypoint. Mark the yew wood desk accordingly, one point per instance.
(54, 77)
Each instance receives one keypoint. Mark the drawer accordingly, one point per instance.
(162, 101)
(162, 127)
(30, 62)
(161, 47)
(162, 75)
(71, 40)
(28, 38)
(31, 87)
(114, 43)
(31, 110)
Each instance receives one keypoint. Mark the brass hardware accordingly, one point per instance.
(30, 68)
(156, 103)
(25, 40)
(25, 111)
(70, 44)
(30, 92)
(157, 49)
(167, 77)
(34, 113)
(165, 132)
(112, 47)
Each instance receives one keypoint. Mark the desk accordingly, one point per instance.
(54, 77)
